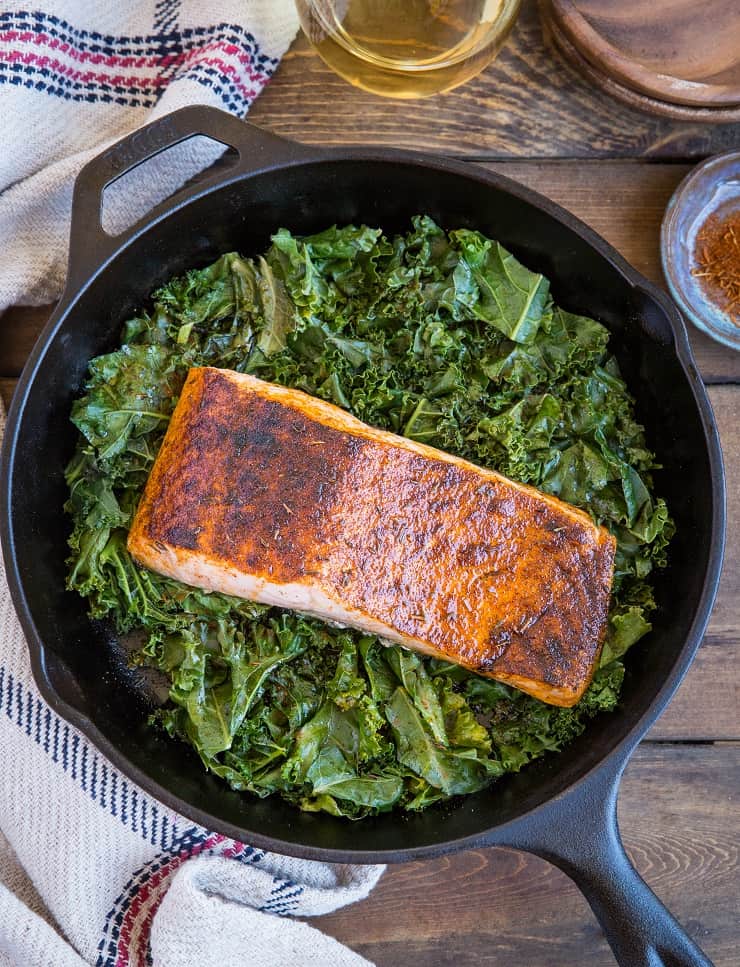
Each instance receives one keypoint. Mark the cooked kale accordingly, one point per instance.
(446, 339)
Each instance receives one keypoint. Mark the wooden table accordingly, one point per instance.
(532, 118)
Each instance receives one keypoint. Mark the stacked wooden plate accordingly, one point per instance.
(676, 58)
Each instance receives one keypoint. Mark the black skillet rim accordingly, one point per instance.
(622, 748)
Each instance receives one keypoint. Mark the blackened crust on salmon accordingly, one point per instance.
(454, 560)
(248, 481)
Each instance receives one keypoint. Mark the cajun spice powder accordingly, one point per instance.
(717, 257)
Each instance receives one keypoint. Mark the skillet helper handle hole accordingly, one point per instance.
(108, 209)
(578, 832)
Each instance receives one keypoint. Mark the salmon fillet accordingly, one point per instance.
(270, 494)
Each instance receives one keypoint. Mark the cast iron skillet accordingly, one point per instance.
(563, 808)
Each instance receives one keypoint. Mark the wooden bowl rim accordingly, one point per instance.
(624, 70)
(634, 99)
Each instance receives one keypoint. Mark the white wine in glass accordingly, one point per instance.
(407, 48)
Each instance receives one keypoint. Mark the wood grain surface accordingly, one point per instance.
(678, 809)
(528, 103)
(707, 705)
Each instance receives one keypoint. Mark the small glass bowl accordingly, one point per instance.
(713, 187)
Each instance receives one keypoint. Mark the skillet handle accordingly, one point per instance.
(257, 150)
(578, 832)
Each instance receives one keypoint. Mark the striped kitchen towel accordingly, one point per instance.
(94, 871)
(77, 75)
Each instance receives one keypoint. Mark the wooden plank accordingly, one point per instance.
(706, 706)
(622, 201)
(679, 819)
(725, 621)
(528, 103)
(7, 388)
(20, 327)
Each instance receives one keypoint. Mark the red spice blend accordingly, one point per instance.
(717, 256)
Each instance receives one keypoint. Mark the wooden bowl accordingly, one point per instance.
(712, 188)
(670, 58)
